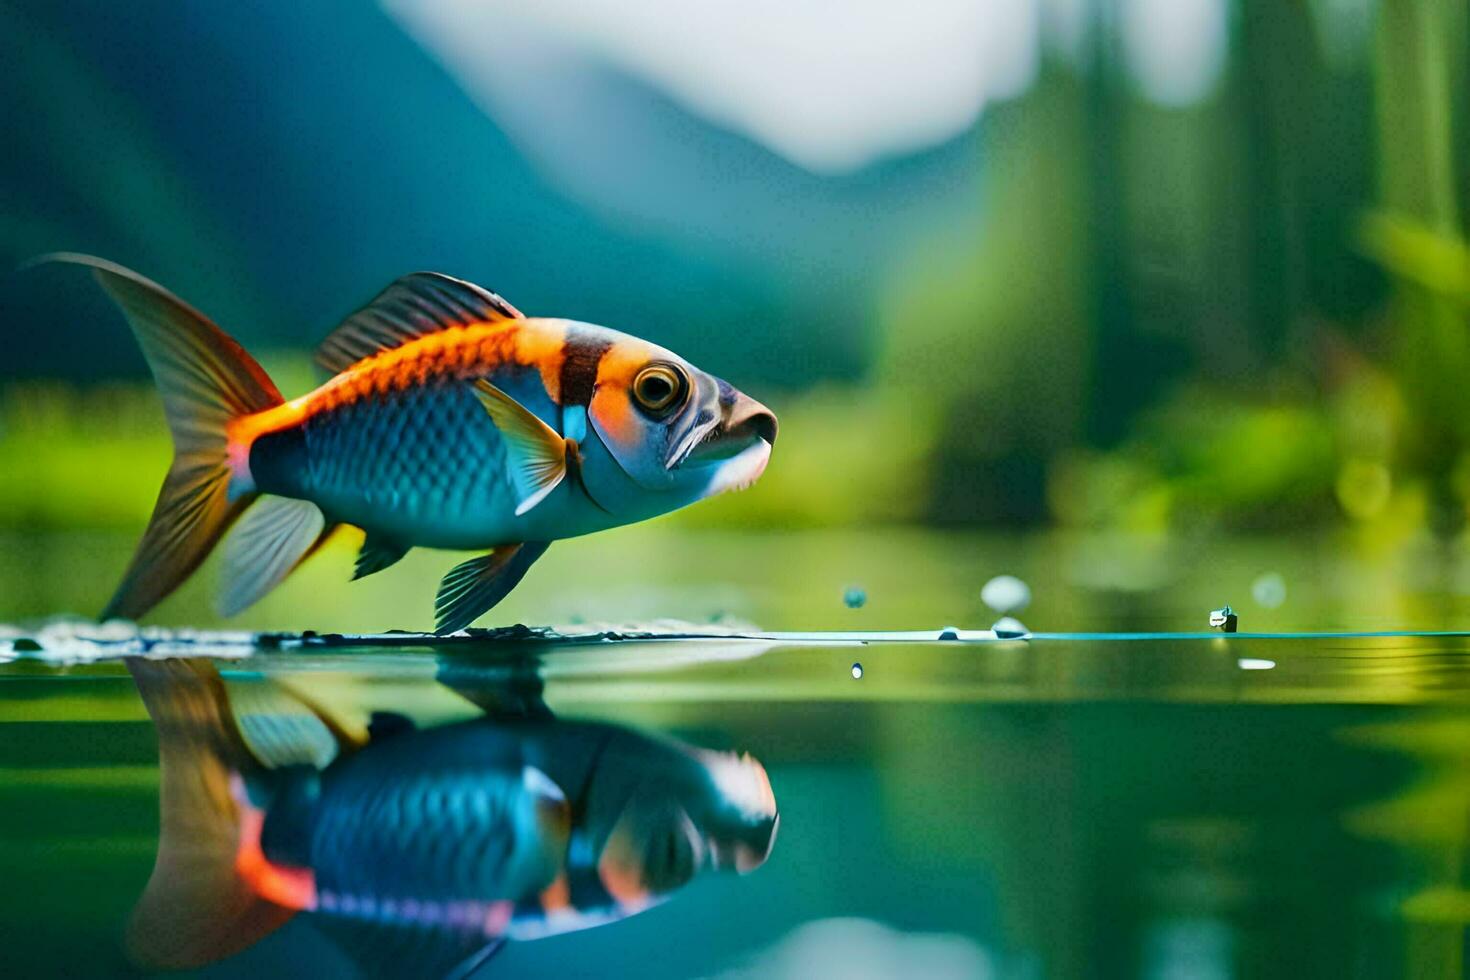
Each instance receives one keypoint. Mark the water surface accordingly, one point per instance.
(1076, 807)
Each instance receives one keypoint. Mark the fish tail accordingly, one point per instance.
(203, 900)
(207, 381)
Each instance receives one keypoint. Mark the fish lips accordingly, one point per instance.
(739, 443)
(748, 850)
(744, 468)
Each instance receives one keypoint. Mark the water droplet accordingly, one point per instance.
(1006, 594)
(1224, 619)
(857, 671)
(854, 597)
(1008, 627)
(1252, 663)
(949, 633)
(1269, 590)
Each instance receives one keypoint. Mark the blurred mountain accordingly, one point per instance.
(277, 164)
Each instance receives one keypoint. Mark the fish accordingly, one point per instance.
(418, 851)
(449, 420)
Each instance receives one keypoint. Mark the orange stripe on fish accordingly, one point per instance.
(615, 370)
(457, 352)
(471, 351)
(291, 888)
(557, 896)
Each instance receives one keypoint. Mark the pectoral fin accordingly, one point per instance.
(377, 554)
(274, 536)
(473, 587)
(278, 728)
(534, 454)
(513, 691)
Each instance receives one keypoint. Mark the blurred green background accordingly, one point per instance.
(1144, 298)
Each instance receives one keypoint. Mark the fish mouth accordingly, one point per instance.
(756, 422)
(746, 425)
(744, 468)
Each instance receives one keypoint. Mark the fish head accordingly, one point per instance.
(709, 811)
(672, 434)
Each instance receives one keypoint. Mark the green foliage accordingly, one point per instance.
(1201, 459)
(1252, 310)
(80, 459)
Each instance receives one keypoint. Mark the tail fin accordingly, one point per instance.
(198, 906)
(206, 380)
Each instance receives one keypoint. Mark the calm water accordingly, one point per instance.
(795, 580)
(1070, 806)
(1182, 807)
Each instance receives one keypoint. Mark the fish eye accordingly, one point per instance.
(660, 388)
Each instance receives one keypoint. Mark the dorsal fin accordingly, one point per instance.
(420, 303)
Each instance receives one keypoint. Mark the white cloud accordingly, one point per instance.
(829, 85)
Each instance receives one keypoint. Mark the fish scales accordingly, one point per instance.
(423, 842)
(428, 830)
(402, 433)
(404, 450)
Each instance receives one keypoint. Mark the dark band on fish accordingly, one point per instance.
(581, 352)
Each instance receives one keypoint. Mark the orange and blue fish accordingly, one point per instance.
(451, 420)
(420, 851)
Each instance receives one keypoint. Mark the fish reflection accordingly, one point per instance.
(419, 851)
